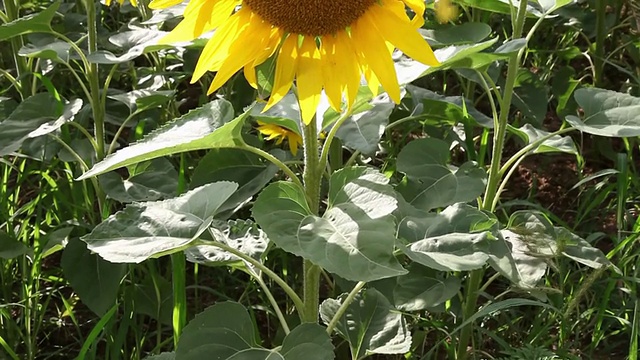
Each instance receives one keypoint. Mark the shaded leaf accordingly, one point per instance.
(371, 325)
(95, 280)
(158, 180)
(11, 248)
(362, 131)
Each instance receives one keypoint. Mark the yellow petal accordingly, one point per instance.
(134, 3)
(309, 79)
(202, 17)
(245, 50)
(373, 51)
(221, 42)
(162, 4)
(286, 65)
(349, 68)
(272, 46)
(331, 76)
(418, 7)
(402, 35)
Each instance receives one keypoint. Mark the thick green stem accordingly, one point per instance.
(312, 177)
(500, 131)
(93, 76)
(12, 11)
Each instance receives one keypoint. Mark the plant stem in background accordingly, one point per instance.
(12, 9)
(491, 194)
(598, 55)
(311, 177)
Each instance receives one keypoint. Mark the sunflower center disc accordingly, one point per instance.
(310, 17)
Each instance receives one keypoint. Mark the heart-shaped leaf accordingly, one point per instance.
(95, 280)
(371, 324)
(607, 113)
(431, 183)
(352, 239)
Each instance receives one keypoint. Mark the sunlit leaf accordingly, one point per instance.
(151, 229)
(39, 22)
(607, 113)
(209, 126)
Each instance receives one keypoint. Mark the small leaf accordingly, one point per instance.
(607, 113)
(450, 57)
(36, 116)
(36, 23)
(57, 51)
(152, 229)
(207, 127)
(556, 143)
(371, 324)
(95, 280)
(143, 99)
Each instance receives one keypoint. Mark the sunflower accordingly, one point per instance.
(273, 131)
(322, 44)
(445, 11)
(121, 2)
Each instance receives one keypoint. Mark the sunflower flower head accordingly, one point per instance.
(320, 45)
(445, 11)
(279, 133)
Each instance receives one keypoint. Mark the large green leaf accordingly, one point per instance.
(95, 280)
(465, 33)
(364, 187)
(371, 325)
(362, 131)
(36, 116)
(207, 127)
(420, 289)
(134, 43)
(355, 237)
(221, 331)
(226, 331)
(37, 23)
(430, 182)
(309, 342)
(451, 252)
(450, 57)
(607, 113)
(153, 180)
(151, 229)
